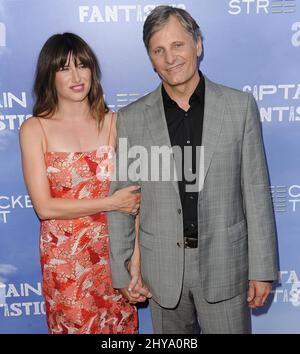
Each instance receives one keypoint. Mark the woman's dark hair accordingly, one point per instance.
(53, 56)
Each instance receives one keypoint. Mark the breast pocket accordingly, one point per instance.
(225, 147)
(226, 159)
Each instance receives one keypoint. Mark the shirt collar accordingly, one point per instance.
(197, 94)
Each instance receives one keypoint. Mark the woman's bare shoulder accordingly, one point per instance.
(31, 127)
(29, 123)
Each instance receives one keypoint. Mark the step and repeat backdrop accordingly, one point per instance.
(251, 45)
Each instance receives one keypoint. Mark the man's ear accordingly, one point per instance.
(199, 47)
(152, 64)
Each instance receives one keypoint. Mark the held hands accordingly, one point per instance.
(257, 293)
(136, 288)
(127, 200)
(136, 291)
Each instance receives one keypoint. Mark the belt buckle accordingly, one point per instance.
(190, 242)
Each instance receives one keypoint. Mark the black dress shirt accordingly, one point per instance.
(185, 129)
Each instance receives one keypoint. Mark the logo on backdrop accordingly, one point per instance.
(10, 203)
(2, 35)
(20, 293)
(117, 13)
(261, 7)
(10, 101)
(5, 270)
(286, 198)
(123, 99)
(296, 34)
(289, 290)
(286, 94)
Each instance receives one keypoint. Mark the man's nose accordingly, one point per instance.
(169, 57)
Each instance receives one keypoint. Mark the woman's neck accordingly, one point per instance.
(75, 111)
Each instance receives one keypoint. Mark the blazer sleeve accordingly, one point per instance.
(257, 200)
(121, 226)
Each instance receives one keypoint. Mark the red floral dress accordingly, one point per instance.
(77, 284)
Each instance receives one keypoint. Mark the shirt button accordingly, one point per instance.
(179, 211)
(191, 197)
(188, 141)
(186, 114)
(193, 225)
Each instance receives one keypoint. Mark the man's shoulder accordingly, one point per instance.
(230, 93)
(141, 103)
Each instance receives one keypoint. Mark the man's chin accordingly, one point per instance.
(174, 82)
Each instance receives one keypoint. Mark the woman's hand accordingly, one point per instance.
(127, 200)
(137, 289)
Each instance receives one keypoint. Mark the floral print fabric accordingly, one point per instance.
(77, 284)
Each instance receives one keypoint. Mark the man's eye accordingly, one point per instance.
(81, 66)
(64, 68)
(158, 51)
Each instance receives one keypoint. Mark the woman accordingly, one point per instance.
(67, 154)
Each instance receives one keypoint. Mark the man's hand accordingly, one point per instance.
(136, 288)
(257, 293)
(136, 291)
(132, 298)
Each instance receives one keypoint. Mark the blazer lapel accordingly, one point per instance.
(156, 120)
(212, 122)
(214, 107)
(157, 124)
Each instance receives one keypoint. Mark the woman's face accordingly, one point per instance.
(73, 81)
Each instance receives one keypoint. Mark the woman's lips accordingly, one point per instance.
(77, 88)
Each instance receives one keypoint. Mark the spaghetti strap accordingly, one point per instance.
(44, 134)
(111, 122)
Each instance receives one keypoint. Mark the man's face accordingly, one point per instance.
(173, 53)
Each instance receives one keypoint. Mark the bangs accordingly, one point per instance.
(68, 48)
(55, 54)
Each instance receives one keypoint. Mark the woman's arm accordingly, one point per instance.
(136, 287)
(47, 207)
(135, 261)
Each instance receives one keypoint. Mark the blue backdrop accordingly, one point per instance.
(252, 45)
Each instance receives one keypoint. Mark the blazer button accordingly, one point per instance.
(179, 211)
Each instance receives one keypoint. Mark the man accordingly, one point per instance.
(208, 256)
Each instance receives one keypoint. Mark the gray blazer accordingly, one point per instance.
(235, 217)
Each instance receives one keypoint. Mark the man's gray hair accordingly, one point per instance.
(160, 16)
